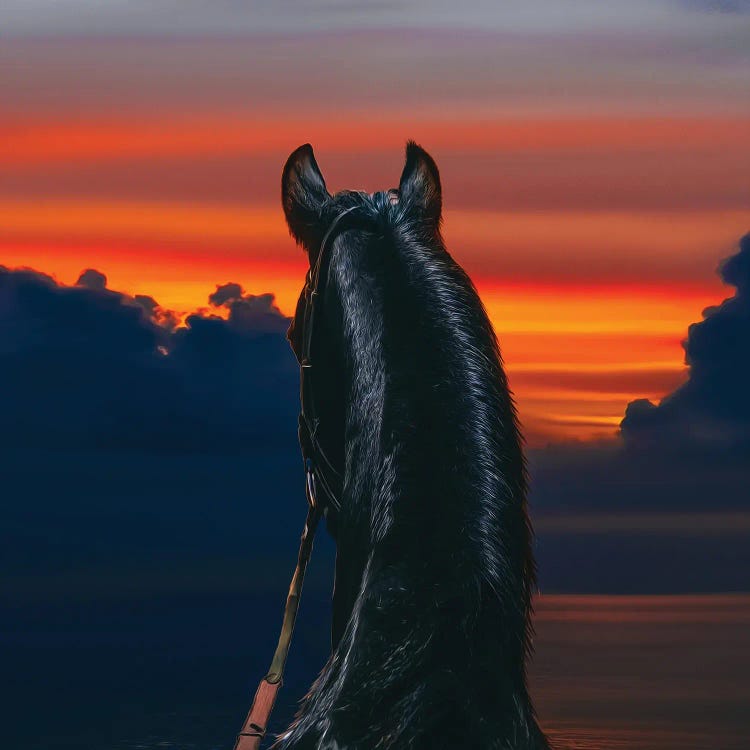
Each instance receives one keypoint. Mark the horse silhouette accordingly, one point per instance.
(434, 568)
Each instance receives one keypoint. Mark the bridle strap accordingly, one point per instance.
(329, 479)
(256, 722)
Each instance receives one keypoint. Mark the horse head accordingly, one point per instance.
(410, 428)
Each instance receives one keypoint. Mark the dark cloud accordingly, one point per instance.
(249, 312)
(166, 319)
(151, 499)
(226, 293)
(88, 366)
(134, 448)
(92, 279)
(710, 413)
(149, 304)
(690, 454)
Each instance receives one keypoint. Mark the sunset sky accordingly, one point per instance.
(594, 158)
(595, 164)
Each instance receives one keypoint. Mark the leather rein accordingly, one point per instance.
(323, 487)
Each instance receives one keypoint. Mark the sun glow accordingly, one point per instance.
(590, 297)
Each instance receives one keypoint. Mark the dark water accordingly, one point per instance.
(611, 672)
(644, 673)
(141, 595)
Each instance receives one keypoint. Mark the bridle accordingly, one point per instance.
(324, 483)
(321, 473)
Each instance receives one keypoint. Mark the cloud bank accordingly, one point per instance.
(85, 366)
(692, 450)
(710, 413)
(605, 508)
(161, 454)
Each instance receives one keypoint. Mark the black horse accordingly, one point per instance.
(434, 568)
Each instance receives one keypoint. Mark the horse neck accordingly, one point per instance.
(431, 447)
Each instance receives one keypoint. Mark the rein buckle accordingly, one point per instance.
(312, 497)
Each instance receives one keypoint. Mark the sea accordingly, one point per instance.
(178, 672)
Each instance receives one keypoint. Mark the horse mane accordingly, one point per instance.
(431, 306)
(435, 570)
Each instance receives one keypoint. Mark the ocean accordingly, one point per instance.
(644, 672)
(609, 672)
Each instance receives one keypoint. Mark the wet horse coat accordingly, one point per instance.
(434, 571)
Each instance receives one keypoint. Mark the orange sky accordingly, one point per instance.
(577, 349)
(592, 236)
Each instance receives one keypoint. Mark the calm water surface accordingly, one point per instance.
(644, 673)
(610, 672)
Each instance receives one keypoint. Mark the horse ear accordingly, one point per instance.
(303, 195)
(420, 184)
